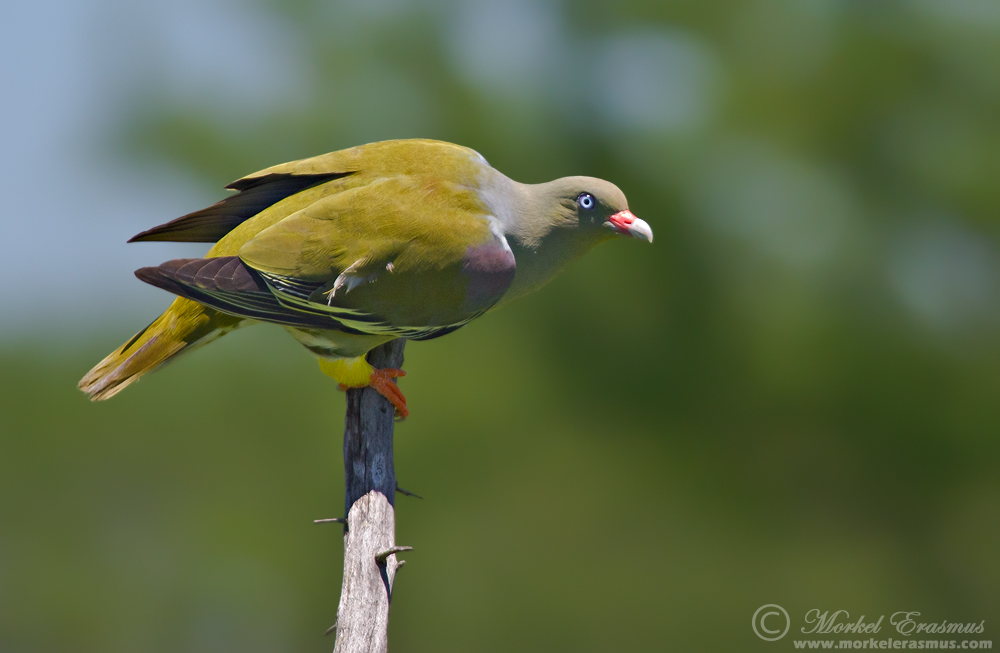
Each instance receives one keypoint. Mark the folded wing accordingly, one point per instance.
(409, 257)
(210, 224)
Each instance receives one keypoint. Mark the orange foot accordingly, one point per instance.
(382, 381)
(359, 373)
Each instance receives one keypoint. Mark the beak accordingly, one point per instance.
(625, 223)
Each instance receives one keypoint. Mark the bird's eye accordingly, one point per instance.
(586, 201)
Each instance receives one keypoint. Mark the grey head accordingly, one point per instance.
(549, 225)
(595, 208)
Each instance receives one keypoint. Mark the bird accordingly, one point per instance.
(352, 249)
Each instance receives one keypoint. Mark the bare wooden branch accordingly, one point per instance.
(370, 560)
(368, 431)
(363, 615)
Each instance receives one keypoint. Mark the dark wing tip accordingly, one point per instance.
(149, 234)
(147, 274)
(162, 276)
(154, 277)
(172, 232)
(205, 226)
(306, 179)
(224, 273)
(255, 194)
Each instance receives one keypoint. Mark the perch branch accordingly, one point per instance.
(370, 560)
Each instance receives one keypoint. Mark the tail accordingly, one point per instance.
(184, 326)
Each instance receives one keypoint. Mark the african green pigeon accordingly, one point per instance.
(348, 250)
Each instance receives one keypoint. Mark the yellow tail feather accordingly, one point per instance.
(182, 327)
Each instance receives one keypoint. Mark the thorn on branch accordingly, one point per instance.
(407, 492)
(339, 520)
(380, 557)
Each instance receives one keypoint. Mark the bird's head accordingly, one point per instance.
(600, 204)
(597, 209)
(556, 222)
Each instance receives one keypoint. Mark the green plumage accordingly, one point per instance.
(350, 249)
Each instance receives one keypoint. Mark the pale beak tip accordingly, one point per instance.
(640, 229)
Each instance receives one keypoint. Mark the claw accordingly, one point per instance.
(358, 373)
(382, 381)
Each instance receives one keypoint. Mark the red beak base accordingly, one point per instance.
(624, 222)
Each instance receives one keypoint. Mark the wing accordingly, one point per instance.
(261, 190)
(210, 224)
(226, 284)
(417, 251)
(411, 256)
(382, 159)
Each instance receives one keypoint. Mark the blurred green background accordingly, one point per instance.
(791, 397)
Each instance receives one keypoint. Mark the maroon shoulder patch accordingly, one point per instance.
(490, 271)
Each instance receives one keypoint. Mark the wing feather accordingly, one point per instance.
(403, 246)
(210, 224)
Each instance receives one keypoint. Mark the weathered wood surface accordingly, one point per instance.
(370, 564)
(370, 560)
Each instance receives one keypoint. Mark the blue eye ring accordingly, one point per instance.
(586, 201)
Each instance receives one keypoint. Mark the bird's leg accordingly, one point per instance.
(341, 280)
(383, 381)
(359, 373)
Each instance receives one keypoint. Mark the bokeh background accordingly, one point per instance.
(791, 397)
